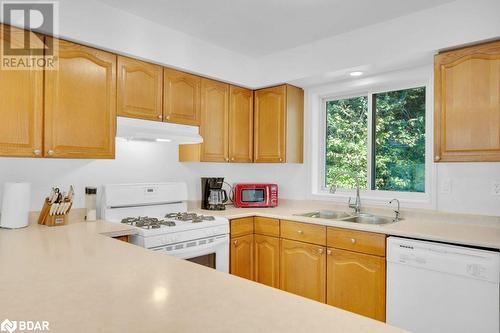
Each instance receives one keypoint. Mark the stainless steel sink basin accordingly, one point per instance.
(326, 214)
(362, 218)
(369, 219)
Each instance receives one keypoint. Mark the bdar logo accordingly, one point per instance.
(8, 326)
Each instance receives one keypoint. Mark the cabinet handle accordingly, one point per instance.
(50, 152)
(160, 116)
(437, 158)
(167, 117)
(37, 152)
(227, 159)
(353, 240)
(235, 242)
(232, 158)
(329, 252)
(300, 232)
(281, 159)
(320, 251)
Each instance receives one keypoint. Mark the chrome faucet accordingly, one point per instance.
(397, 212)
(356, 206)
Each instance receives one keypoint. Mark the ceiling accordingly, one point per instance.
(257, 28)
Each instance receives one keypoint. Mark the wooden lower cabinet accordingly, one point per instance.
(267, 256)
(348, 273)
(356, 282)
(242, 256)
(122, 238)
(303, 269)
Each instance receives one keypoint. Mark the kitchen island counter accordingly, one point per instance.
(82, 281)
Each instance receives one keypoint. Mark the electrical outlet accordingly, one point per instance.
(495, 188)
(446, 186)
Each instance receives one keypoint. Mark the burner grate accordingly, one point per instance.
(189, 217)
(146, 222)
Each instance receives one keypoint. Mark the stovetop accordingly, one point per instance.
(170, 220)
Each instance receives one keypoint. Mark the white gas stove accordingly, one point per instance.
(159, 212)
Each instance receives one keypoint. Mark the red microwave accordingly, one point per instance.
(255, 195)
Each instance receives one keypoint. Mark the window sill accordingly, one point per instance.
(378, 198)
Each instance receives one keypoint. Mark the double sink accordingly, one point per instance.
(357, 218)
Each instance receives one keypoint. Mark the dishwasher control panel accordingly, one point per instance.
(453, 259)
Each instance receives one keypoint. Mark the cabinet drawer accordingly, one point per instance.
(303, 232)
(267, 226)
(243, 226)
(358, 241)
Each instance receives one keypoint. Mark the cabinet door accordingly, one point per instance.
(242, 256)
(356, 282)
(21, 104)
(240, 125)
(80, 103)
(303, 269)
(467, 104)
(267, 250)
(140, 87)
(214, 121)
(269, 131)
(181, 97)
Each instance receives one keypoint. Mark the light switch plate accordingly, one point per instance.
(495, 188)
(446, 186)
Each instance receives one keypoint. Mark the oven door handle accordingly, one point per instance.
(195, 249)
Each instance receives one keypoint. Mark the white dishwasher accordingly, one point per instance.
(440, 288)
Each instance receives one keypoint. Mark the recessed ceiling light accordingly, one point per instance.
(356, 73)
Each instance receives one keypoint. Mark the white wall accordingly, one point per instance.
(390, 45)
(471, 188)
(96, 24)
(142, 162)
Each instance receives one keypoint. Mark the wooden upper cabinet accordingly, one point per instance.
(270, 113)
(214, 121)
(240, 125)
(242, 256)
(467, 104)
(279, 125)
(356, 283)
(80, 103)
(181, 97)
(267, 254)
(140, 88)
(21, 103)
(303, 269)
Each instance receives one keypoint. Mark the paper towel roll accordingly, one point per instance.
(15, 205)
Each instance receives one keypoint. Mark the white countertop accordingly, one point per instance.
(471, 230)
(82, 281)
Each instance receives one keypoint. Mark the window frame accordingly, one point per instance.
(410, 199)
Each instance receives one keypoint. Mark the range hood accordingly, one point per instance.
(156, 131)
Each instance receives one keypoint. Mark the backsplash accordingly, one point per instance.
(157, 162)
(142, 162)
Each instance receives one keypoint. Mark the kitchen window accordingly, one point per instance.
(376, 139)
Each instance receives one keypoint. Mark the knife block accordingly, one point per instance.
(52, 220)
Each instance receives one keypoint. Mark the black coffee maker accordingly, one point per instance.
(213, 197)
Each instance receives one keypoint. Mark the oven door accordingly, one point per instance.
(211, 252)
